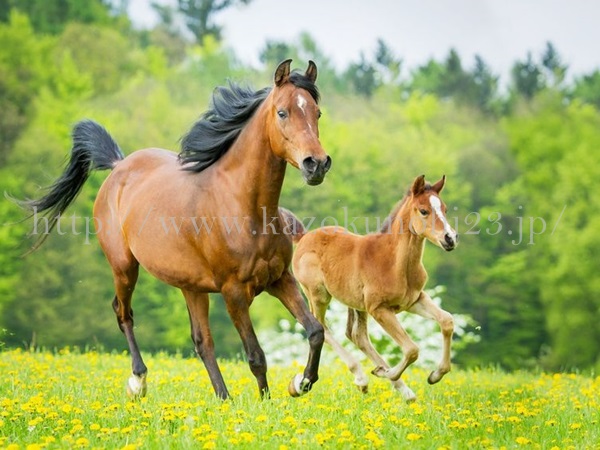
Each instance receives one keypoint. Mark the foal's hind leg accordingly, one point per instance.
(198, 304)
(319, 300)
(356, 331)
(425, 307)
(125, 278)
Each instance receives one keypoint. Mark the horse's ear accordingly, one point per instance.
(311, 72)
(282, 73)
(437, 187)
(418, 186)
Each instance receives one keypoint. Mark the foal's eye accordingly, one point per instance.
(424, 212)
(319, 114)
(282, 114)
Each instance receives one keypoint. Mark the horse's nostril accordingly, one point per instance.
(327, 164)
(310, 164)
(449, 240)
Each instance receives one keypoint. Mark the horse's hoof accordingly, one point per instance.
(299, 385)
(136, 386)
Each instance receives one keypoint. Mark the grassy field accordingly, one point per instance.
(72, 400)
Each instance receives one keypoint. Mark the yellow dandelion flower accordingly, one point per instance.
(82, 442)
(575, 426)
(262, 418)
(33, 447)
(413, 436)
(522, 440)
(209, 445)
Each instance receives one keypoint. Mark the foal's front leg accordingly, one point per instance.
(357, 332)
(425, 307)
(410, 352)
(286, 290)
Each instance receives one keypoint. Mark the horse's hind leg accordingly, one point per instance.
(286, 290)
(356, 331)
(425, 307)
(125, 276)
(198, 304)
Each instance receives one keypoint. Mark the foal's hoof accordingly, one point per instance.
(435, 376)
(136, 386)
(299, 385)
(363, 388)
(380, 372)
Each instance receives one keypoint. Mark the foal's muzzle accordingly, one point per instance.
(450, 241)
(314, 170)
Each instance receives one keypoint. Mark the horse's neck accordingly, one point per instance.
(254, 170)
(408, 247)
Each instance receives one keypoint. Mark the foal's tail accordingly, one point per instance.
(292, 226)
(93, 149)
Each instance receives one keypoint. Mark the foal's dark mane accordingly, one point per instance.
(231, 109)
(386, 226)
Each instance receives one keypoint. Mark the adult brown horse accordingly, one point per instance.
(379, 274)
(221, 195)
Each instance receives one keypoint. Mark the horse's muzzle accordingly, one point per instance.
(314, 170)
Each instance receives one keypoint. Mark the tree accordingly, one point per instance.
(199, 15)
(555, 70)
(51, 16)
(527, 79)
(362, 75)
(587, 88)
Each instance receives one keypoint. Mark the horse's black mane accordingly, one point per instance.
(386, 226)
(231, 109)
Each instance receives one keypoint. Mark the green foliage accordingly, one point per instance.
(523, 163)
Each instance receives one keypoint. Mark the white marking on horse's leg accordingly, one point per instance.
(136, 385)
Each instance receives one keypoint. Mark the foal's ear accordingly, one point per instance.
(437, 187)
(418, 186)
(282, 73)
(311, 72)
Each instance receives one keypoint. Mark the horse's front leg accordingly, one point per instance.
(198, 306)
(425, 307)
(286, 290)
(238, 298)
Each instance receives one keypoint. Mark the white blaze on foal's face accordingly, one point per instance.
(436, 205)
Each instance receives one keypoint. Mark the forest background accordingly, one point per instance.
(520, 156)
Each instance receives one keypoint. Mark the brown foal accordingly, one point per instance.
(379, 274)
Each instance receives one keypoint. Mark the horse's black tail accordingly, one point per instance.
(93, 149)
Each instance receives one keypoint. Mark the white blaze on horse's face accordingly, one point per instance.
(447, 238)
(302, 103)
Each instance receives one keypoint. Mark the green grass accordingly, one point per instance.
(72, 400)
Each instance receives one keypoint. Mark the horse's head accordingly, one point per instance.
(294, 122)
(428, 214)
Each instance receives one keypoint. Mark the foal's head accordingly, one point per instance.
(428, 214)
(293, 117)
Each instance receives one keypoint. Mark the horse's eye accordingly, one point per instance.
(282, 114)
(319, 114)
(424, 212)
